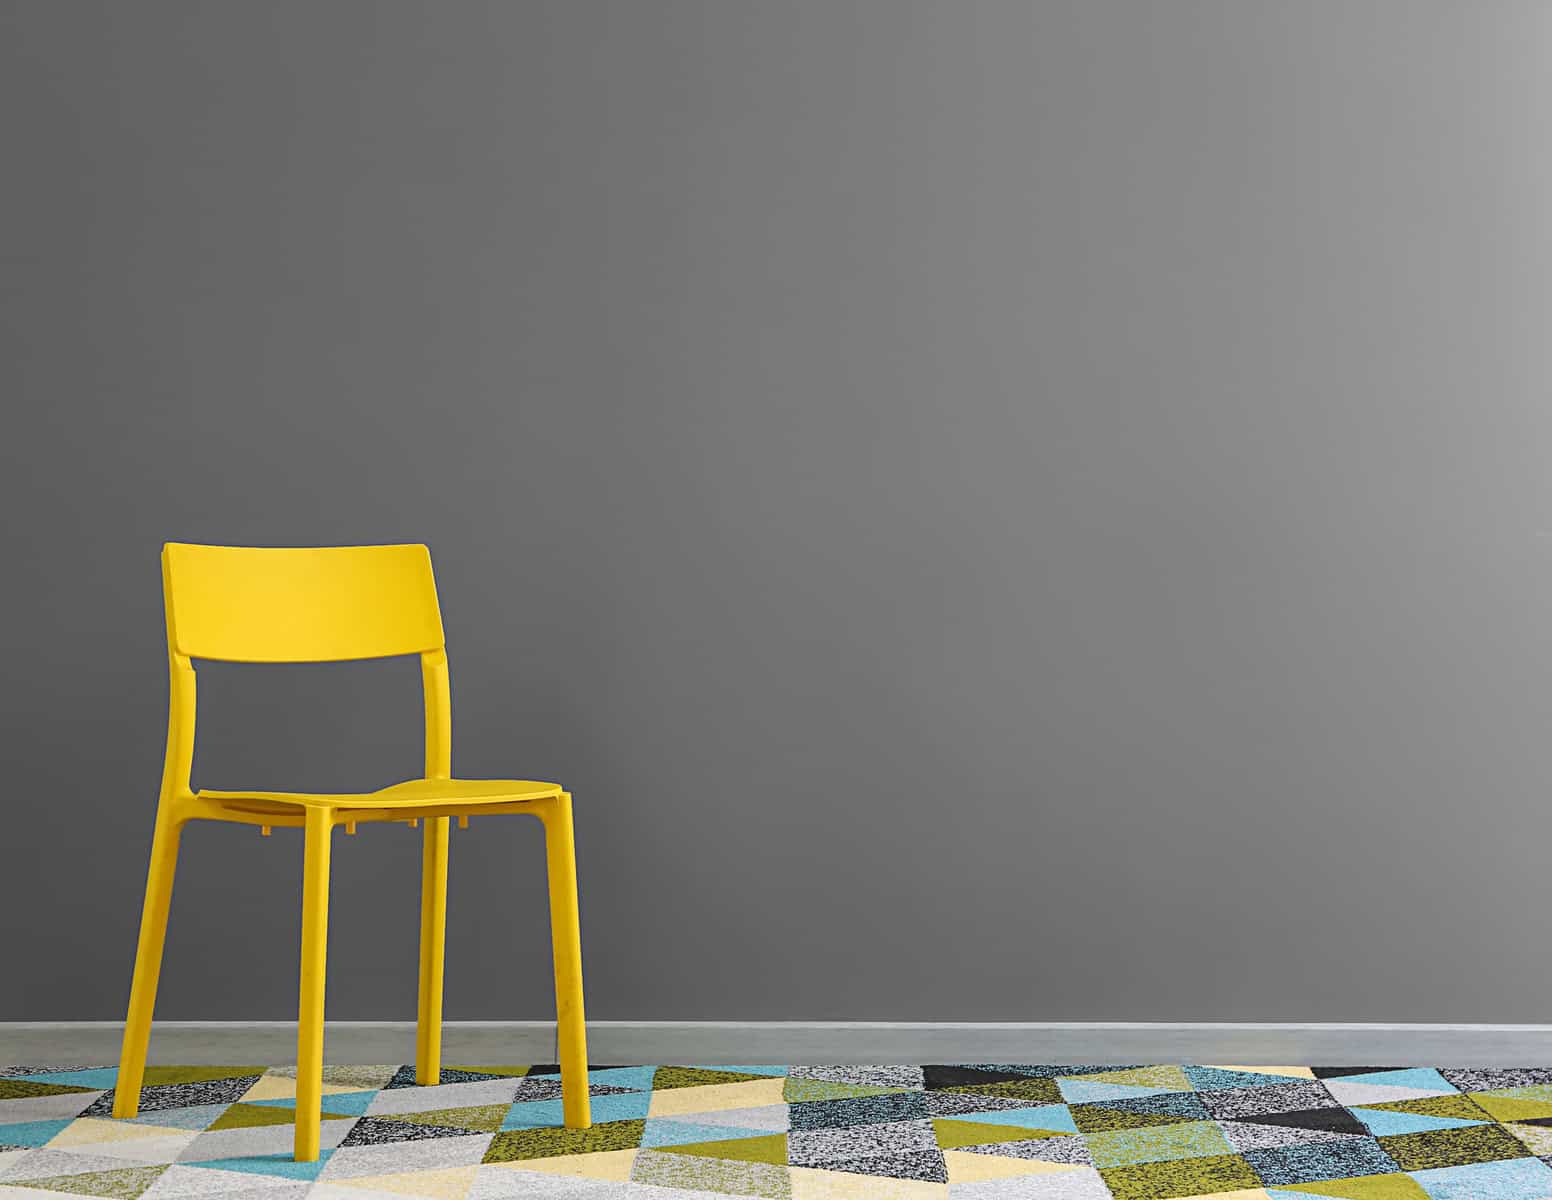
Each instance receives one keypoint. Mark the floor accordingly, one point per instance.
(809, 1133)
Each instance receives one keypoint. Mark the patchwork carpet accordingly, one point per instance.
(978, 1132)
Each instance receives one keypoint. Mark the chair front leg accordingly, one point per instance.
(433, 933)
(148, 964)
(315, 939)
(566, 942)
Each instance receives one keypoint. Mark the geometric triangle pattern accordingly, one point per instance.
(987, 1131)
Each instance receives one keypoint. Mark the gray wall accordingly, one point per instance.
(1023, 511)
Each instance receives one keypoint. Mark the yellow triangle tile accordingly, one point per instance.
(449, 1183)
(613, 1165)
(1394, 1186)
(1291, 1072)
(131, 1152)
(279, 1087)
(964, 1167)
(810, 1183)
(757, 1093)
(87, 1131)
(1246, 1194)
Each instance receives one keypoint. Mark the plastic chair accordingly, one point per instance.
(241, 604)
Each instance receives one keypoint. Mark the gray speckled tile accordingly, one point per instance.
(435, 1154)
(821, 1147)
(865, 1076)
(444, 1095)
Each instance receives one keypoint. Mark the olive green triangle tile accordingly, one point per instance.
(1451, 1147)
(1181, 1177)
(247, 1116)
(683, 1077)
(513, 1145)
(482, 1118)
(1170, 1078)
(769, 1149)
(124, 1184)
(954, 1134)
(1041, 1090)
(1455, 1105)
(1365, 1187)
(158, 1076)
(27, 1089)
(1096, 1118)
(796, 1091)
(513, 1072)
(1509, 1106)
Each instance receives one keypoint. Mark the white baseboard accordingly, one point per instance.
(622, 1042)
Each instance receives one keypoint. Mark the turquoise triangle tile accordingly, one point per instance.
(658, 1134)
(348, 1104)
(547, 1114)
(742, 1070)
(1510, 1179)
(1383, 1122)
(282, 1166)
(343, 1104)
(32, 1133)
(637, 1079)
(1046, 1116)
(101, 1078)
(1418, 1078)
(1081, 1091)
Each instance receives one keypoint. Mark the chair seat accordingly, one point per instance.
(412, 793)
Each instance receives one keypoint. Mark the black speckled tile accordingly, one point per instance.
(180, 1095)
(1238, 1104)
(379, 1131)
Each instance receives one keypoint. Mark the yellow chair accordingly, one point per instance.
(240, 604)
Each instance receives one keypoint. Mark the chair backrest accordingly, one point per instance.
(325, 604)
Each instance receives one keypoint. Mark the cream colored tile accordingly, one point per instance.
(612, 1165)
(450, 1183)
(964, 1167)
(1290, 1072)
(88, 1131)
(809, 1183)
(753, 1094)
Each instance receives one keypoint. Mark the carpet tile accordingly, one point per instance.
(1073, 1151)
(1320, 1162)
(965, 1131)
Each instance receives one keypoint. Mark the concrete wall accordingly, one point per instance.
(1020, 511)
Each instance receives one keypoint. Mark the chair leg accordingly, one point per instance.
(566, 941)
(315, 940)
(148, 966)
(433, 930)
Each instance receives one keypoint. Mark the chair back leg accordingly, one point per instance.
(315, 940)
(566, 942)
(433, 935)
(148, 965)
